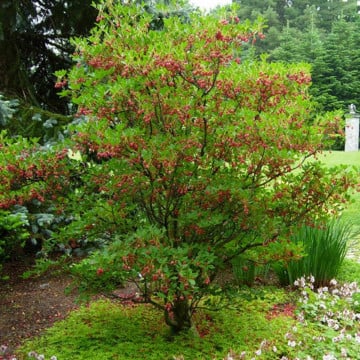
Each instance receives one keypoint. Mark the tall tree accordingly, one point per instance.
(300, 46)
(34, 43)
(336, 71)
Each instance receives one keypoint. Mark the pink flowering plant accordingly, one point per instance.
(333, 310)
(326, 325)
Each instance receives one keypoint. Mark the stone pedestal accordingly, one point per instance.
(352, 132)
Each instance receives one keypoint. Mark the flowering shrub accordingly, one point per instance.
(32, 177)
(191, 154)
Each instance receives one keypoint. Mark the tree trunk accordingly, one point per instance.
(179, 317)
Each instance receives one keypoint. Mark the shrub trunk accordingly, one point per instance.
(179, 317)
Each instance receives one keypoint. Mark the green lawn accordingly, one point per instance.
(333, 158)
(352, 210)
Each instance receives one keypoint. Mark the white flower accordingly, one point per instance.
(357, 338)
(332, 324)
(291, 343)
(258, 352)
(274, 348)
(53, 357)
(301, 317)
(333, 282)
(336, 339)
(329, 357)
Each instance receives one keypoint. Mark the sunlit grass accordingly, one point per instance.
(333, 158)
(351, 212)
(105, 330)
(259, 324)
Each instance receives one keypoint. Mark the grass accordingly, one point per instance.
(260, 324)
(107, 331)
(321, 242)
(349, 271)
(351, 211)
(334, 158)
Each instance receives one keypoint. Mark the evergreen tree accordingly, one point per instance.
(34, 43)
(336, 72)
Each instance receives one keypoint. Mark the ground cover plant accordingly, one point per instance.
(267, 323)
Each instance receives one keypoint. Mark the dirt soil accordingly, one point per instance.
(28, 307)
